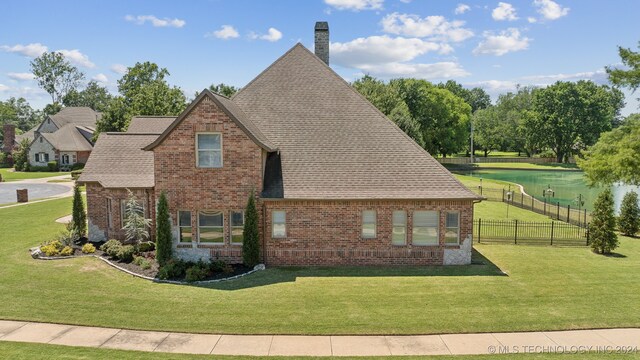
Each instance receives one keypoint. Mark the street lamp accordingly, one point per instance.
(547, 193)
(579, 201)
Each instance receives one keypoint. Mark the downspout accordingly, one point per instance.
(264, 234)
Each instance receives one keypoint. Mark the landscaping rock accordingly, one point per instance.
(35, 252)
(259, 267)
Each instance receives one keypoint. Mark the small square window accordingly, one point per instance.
(368, 224)
(278, 224)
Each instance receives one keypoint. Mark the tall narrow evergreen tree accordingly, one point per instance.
(163, 231)
(602, 227)
(629, 220)
(251, 240)
(78, 216)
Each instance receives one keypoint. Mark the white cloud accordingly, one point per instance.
(598, 76)
(532, 20)
(30, 50)
(495, 86)
(499, 44)
(21, 76)
(272, 35)
(504, 11)
(461, 9)
(78, 58)
(226, 32)
(405, 1)
(550, 9)
(101, 78)
(355, 5)
(3, 88)
(156, 22)
(119, 69)
(436, 27)
(440, 70)
(381, 50)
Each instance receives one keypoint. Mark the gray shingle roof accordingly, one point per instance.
(118, 161)
(333, 143)
(232, 110)
(71, 137)
(76, 115)
(150, 124)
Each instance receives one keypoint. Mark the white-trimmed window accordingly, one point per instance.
(452, 228)
(184, 223)
(209, 150)
(278, 224)
(237, 227)
(368, 224)
(210, 227)
(123, 210)
(425, 228)
(65, 159)
(109, 216)
(399, 236)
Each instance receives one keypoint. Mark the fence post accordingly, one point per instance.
(503, 195)
(558, 208)
(532, 203)
(552, 225)
(568, 214)
(545, 205)
(585, 217)
(587, 234)
(515, 238)
(479, 224)
(521, 200)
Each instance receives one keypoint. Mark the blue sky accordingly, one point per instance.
(492, 44)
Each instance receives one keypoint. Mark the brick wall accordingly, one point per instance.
(9, 134)
(329, 233)
(190, 188)
(97, 204)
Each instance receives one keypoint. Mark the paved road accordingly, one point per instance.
(576, 341)
(38, 188)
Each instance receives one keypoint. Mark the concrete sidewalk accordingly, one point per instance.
(605, 340)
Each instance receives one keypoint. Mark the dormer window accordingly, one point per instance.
(209, 150)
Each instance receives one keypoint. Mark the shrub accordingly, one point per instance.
(602, 227)
(75, 174)
(88, 248)
(228, 269)
(196, 273)
(163, 231)
(173, 269)
(218, 265)
(52, 166)
(142, 262)
(251, 240)
(146, 246)
(111, 247)
(125, 253)
(38, 168)
(52, 248)
(66, 251)
(78, 216)
(629, 220)
(4, 160)
(21, 156)
(69, 235)
(77, 166)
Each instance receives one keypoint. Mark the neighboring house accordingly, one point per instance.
(337, 182)
(65, 137)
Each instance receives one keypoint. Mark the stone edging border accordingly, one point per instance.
(35, 253)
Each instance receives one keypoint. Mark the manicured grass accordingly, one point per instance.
(492, 210)
(513, 165)
(473, 183)
(547, 288)
(27, 351)
(19, 175)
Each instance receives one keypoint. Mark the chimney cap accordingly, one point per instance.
(322, 26)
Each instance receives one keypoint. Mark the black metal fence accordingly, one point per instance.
(568, 214)
(530, 233)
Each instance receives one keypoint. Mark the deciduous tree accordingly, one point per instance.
(630, 77)
(93, 95)
(55, 75)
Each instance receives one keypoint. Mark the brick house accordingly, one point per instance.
(65, 137)
(337, 182)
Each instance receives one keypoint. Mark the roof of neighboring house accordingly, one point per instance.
(76, 115)
(118, 161)
(333, 143)
(150, 124)
(232, 110)
(29, 134)
(71, 137)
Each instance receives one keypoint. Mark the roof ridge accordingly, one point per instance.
(268, 67)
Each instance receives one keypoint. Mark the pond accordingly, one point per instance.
(566, 185)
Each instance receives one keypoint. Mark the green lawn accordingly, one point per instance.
(547, 288)
(20, 175)
(493, 210)
(26, 351)
(514, 165)
(473, 183)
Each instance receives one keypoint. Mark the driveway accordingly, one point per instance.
(38, 189)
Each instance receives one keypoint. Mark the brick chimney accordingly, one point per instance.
(322, 41)
(9, 132)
